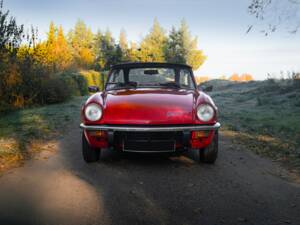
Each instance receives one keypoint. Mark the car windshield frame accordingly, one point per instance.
(130, 84)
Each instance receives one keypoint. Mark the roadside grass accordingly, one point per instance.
(264, 115)
(26, 132)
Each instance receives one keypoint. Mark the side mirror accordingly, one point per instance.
(205, 88)
(93, 89)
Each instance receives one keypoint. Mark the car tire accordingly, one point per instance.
(89, 154)
(210, 153)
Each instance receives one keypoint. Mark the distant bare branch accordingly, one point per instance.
(276, 13)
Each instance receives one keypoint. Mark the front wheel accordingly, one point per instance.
(89, 154)
(210, 153)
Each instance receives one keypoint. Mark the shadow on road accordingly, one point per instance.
(147, 189)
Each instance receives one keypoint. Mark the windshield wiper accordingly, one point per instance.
(170, 84)
(119, 85)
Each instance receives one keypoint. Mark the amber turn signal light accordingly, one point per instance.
(98, 133)
(199, 134)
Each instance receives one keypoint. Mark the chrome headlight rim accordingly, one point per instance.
(98, 112)
(205, 112)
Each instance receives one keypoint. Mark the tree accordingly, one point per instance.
(246, 77)
(153, 45)
(123, 44)
(276, 13)
(123, 40)
(195, 57)
(108, 49)
(99, 59)
(58, 55)
(133, 52)
(234, 77)
(51, 37)
(182, 48)
(10, 32)
(81, 40)
(175, 51)
(10, 77)
(63, 56)
(51, 45)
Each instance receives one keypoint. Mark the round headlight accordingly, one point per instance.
(93, 112)
(205, 112)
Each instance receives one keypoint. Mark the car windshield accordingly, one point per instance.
(150, 77)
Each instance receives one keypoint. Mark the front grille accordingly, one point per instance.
(149, 141)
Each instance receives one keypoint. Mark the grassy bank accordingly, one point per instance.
(25, 132)
(264, 115)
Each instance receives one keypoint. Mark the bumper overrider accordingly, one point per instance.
(150, 138)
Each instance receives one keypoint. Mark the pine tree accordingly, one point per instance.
(152, 47)
(51, 46)
(110, 53)
(124, 45)
(181, 48)
(99, 59)
(81, 39)
(185, 36)
(195, 57)
(10, 77)
(174, 51)
(133, 53)
(63, 55)
(51, 35)
(123, 40)
(10, 32)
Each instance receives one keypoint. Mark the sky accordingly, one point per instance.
(220, 26)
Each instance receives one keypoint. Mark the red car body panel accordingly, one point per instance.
(150, 107)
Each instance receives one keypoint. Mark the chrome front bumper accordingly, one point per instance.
(216, 126)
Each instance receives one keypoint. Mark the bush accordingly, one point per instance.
(93, 78)
(81, 84)
(54, 90)
(39, 88)
(62, 86)
(71, 84)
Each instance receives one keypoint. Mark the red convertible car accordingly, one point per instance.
(150, 108)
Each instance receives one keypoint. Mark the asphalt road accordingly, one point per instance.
(59, 188)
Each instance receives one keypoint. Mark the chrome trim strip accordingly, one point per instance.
(147, 151)
(149, 128)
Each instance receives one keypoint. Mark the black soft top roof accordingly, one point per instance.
(149, 65)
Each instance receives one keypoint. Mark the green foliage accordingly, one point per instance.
(63, 56)
(108, 53)
(10, 77)
(70, 83)
(182, 48)
(62, 86)
(123, 46)
(92, 77)
(55, 90)
(153, 45)
(38, 72)
(261, 109)
(10, 32)
(81, 40)
(82, 84)
(23, 127)
(175, 52)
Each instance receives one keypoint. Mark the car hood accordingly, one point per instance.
(149, 106)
